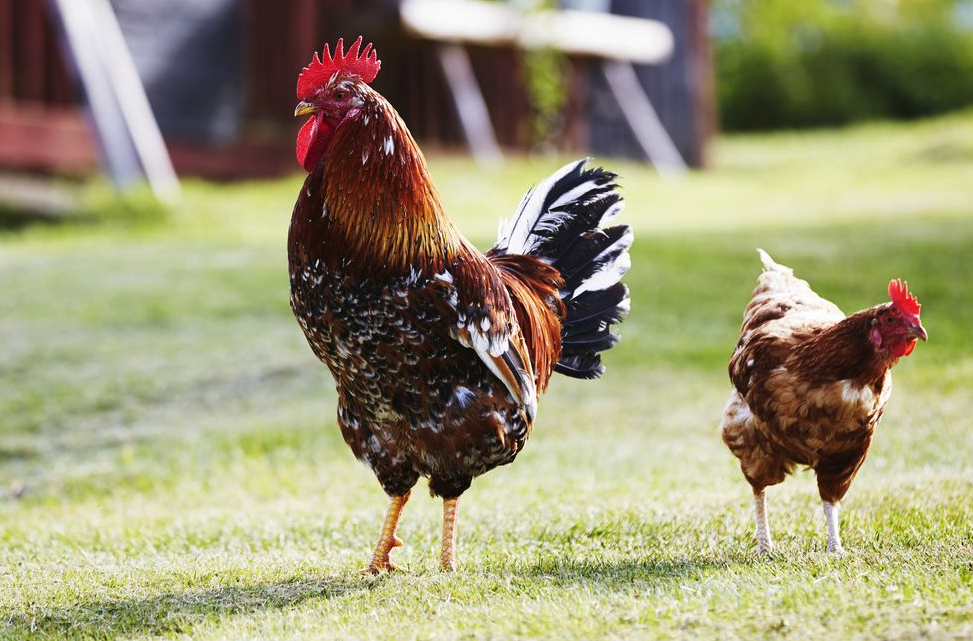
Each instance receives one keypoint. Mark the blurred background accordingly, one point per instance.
(219, 75)
(169, 459)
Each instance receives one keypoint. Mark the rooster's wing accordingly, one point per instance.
(476, 304)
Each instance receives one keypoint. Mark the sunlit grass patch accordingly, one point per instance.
(170, 464)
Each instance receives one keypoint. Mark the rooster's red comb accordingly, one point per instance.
(901, 298)
(320, 70)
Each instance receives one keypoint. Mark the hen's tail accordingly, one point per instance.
(560, 222)
(779, 293)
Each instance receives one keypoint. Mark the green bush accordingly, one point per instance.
(822, 62)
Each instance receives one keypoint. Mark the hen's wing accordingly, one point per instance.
(783, 312)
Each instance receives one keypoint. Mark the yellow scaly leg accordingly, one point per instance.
(448, 558)
(387, 540)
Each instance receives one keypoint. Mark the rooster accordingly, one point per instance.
(438, 351)
(811, 387)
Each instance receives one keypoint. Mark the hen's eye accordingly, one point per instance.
(339, 95)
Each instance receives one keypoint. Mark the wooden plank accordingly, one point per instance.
(143, 130)
(37, 199)
(261, 43)
(701, 81)
(84, 49)
(279, 40)
(672, 87)
(40, 137)
(643, 119)
(188, 55)
(467, 21)
(6, 50)
(580, 33)
(36, 136)
(32, 51)
(302, 34)
(470, 105)
(62, 86)
(244, 159)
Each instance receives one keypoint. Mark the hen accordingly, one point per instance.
(438, 351)
(811, 386)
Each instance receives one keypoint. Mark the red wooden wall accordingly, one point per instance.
(43, 127)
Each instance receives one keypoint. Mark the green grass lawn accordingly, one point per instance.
(170, 464)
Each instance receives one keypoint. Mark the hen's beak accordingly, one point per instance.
(917, 330)
(304, 107)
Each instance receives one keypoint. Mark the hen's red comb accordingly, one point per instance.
(320, 70)
(901, 298)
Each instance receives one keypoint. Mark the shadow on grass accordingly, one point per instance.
(568, 571)
(171, 613)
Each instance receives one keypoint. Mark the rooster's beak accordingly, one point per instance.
(304, 107)
(918, 330)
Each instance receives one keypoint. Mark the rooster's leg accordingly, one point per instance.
(448, 557)
(387, 540)
(831, 521)
(764, 542)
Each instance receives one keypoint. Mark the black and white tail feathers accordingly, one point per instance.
(560, 221)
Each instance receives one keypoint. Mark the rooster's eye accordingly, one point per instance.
(339, 95)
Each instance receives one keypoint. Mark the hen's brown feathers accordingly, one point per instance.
(810, 385)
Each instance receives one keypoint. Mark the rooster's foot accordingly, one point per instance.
(377, 567)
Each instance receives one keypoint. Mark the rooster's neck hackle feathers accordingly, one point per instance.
(382, 209)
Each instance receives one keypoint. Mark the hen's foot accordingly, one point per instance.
(377, 567)
(831, 511)
(765, 545)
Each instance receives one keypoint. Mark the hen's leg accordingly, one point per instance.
(831, 511)
(448, 557)
(834, 478)
(764, 543)
(387, 540)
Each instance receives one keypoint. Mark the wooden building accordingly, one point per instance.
(220, 76)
